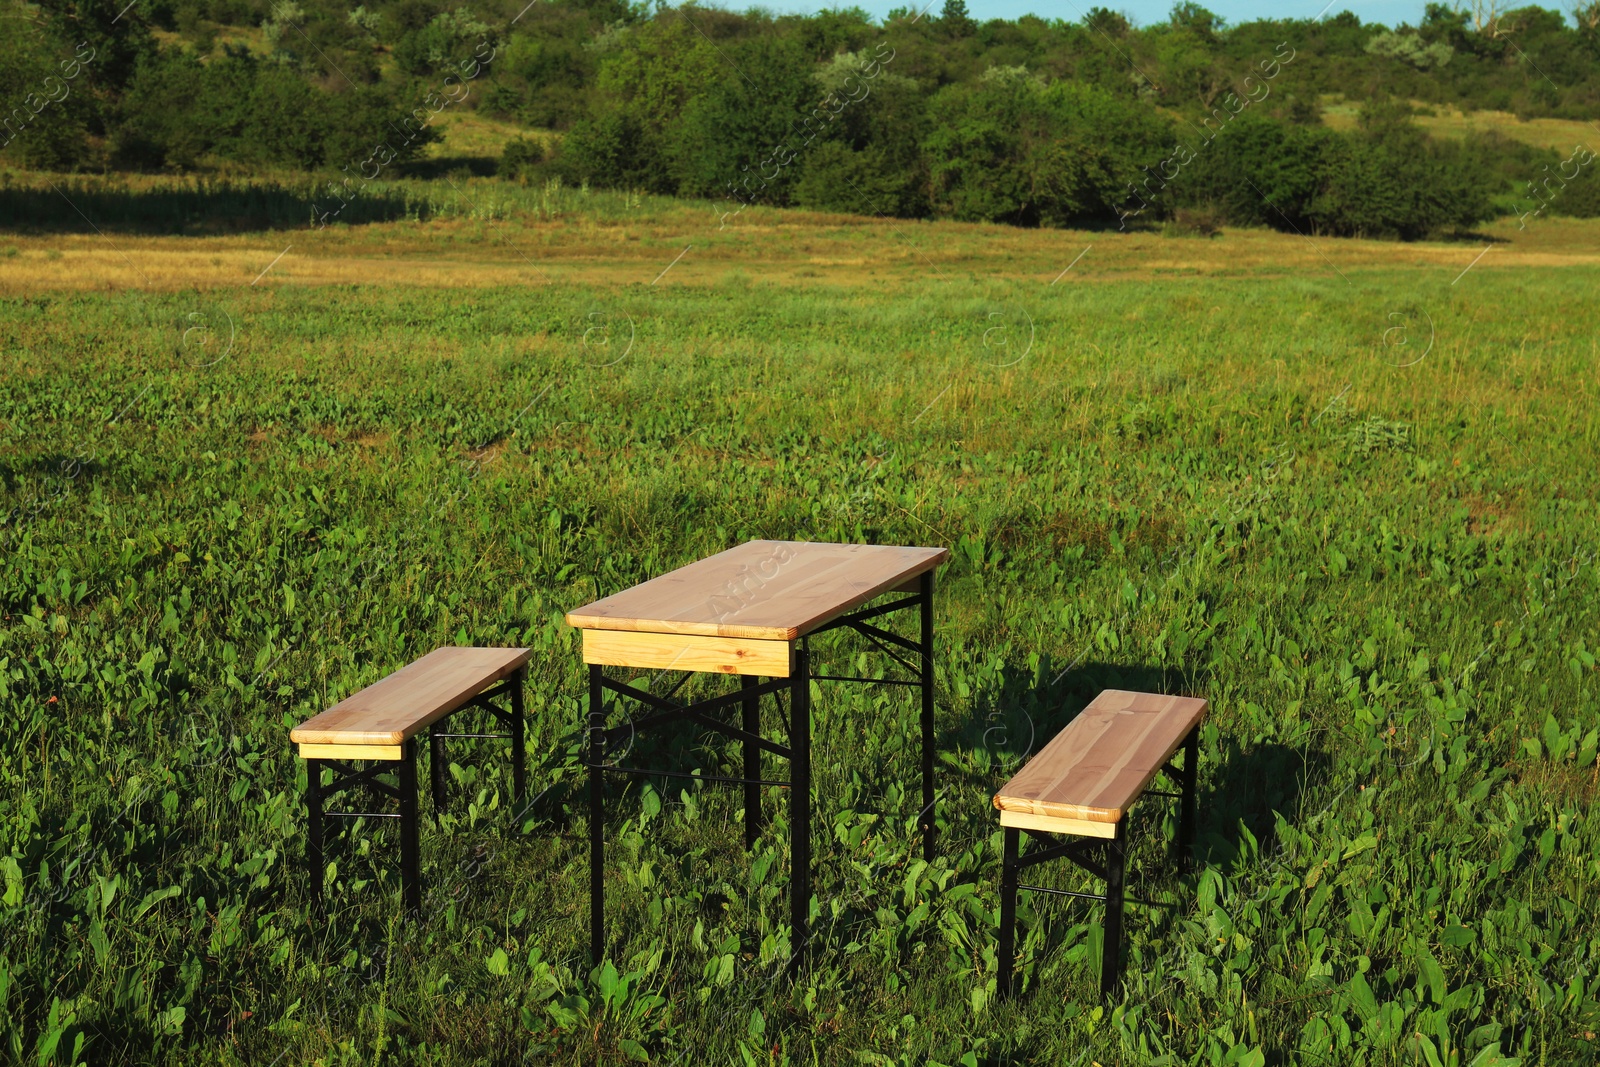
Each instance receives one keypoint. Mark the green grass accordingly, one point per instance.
(1382, 577)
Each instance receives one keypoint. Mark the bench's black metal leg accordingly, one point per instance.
(314, 858)
(800, 806)
(410, 847)
(1008, 911)
(519, 743)
(597, 843)
(752, 762)
(1111, 955)
(436, 766)
(928, 741)
(1184, 846)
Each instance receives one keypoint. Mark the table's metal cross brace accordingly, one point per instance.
(603, 740)
(699, 711)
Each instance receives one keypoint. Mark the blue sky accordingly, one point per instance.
(1144, 12)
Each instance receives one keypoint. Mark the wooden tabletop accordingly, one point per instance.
(412, 698)
(765, 590)
(1095, 767)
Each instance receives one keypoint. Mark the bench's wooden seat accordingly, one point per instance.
(1084, 780)
(376, 722)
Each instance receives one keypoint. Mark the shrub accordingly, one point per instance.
(448, 40)
(615, 150)
(1011, 149)
(518, 160)
(835, 178)
(739, 133)
(1579, 181)
(1204, 221)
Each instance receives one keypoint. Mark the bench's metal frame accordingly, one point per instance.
(603, 740)
(404, 791)
(1112, 869)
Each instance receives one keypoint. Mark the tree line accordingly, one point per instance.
(1032, 121)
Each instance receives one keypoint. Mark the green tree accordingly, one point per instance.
(50, 105)
(1012, 149)
(618, 150)
(1191, 72)
(743, 133)
(449, 40)
(857, 182)
(1409, 47)
(954, 20)
(867, 159)
(1197, 20)
(117, 42)
(1106, 22)
(159, 124)
(1255, 172)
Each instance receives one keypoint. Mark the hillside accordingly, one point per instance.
(1329, 126)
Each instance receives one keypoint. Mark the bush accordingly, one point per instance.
(865, 155)
(518, 160)
(49, 104)
(178, 110)
(615, 150)
(834, 178)
(1011, 149)
(738, 134)
(1387, 180)
(1204, 221)
(1578, 177)
(449, 40)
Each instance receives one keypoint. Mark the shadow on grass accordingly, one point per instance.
(1238, 784)
(453, 166)
(1011, 722)
(1240, 788)
(57, 466)
(78, 205)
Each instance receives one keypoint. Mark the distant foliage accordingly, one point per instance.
(239, 107)
(1028, 122)
(1411, 48)
(519, 159)
(449, 39)
(1388, 180)
(1014, 149)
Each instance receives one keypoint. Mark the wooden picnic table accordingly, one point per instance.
(748, 612)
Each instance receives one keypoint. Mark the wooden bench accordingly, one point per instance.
(1082, 784)
(381, 723)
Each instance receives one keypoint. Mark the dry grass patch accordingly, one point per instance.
(465, 253)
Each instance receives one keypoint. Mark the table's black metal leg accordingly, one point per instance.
(436, 766)
(1008, 910)
(928, 741)
(519, 743)
(1184, 846)
(1111, 954)
(314, 858)
(800, 805)
(597, 843)
(410, 846)
(752, 762)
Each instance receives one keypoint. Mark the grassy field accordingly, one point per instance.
(1454, 124)
(1345, 490)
